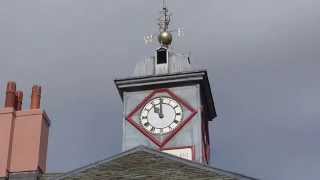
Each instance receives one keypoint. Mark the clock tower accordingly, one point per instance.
(167, 104)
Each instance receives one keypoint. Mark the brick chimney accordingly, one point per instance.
(19, 99)
(10, 95)
(35, 97)
(23, 135)
(6, 128)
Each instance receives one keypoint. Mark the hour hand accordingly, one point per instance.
(158, 110)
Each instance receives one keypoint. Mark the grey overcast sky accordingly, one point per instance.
(263, 58)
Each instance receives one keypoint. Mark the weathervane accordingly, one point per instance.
(165, 18)
(165, 36)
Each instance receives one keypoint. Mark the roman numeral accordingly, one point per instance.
(175, 121)
(178, 114)
(146, 124)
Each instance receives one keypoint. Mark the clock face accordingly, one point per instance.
(161, 115)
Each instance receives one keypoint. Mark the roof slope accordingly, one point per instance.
(145, 163)
(48, 176)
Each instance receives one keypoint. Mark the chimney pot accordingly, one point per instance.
(10, 94)
(19, 99)
(35, 97)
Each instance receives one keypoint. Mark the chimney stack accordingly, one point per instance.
(10, 95)
(23, 136)
(19, 99)
(35, 97)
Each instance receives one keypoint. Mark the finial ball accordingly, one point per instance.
(165, 38)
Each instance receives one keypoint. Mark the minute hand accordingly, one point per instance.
(161, 110)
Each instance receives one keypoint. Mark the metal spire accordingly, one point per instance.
(165, 17)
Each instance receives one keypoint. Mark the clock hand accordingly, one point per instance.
(156, 109)
(161, 113)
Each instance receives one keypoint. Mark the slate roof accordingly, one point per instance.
(145, 163)
(49, 176)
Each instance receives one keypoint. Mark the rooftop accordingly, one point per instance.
(146, 163)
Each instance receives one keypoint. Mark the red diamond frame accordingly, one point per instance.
(171, 134)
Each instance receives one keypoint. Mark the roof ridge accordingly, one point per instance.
(96, 163)
(196, 164)
(158, 153)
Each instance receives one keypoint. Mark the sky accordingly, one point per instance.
(262, 57)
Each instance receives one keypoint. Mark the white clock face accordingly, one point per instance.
(161, 115)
